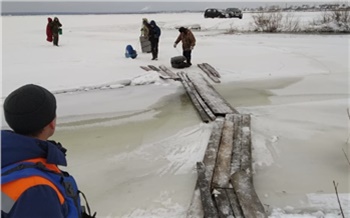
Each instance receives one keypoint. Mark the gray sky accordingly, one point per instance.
(132, 6)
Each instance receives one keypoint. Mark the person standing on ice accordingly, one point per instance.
(144, 28)
(154, 34)
(48, 30)
(55, 26)
(188, 42)
(32, 185)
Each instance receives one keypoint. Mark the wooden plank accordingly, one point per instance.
(223, 203)
(154, 68)
(246, 152)
(161, 73)
(236, 208)
(199, 98)
(194, 100)
(222, 171)
(213, 147)
(212, 70)
(169, 72)
(196, 209)
(145, 68)
(211, 97)
(209, 208)
(237, 143)
(247, 197)
(206, 71)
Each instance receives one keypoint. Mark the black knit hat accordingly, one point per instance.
(29, 109)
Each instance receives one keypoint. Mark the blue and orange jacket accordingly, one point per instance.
(31, 183)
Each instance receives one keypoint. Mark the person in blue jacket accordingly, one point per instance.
(32, 185)
(153, 36)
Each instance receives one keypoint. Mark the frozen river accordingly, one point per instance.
(133, 149)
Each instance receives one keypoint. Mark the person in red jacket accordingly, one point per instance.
(48, 30)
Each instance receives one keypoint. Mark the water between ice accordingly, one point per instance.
(143, 165)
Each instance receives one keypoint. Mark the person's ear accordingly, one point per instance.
(52, 124)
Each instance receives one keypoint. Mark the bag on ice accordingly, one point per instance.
(179, 62)
(130, 52)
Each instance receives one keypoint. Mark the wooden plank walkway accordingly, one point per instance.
(204, 111)
(166, 73)
(210, 96)
(224, 186)
(194, 98)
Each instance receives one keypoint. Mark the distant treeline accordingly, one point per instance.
(89, 13)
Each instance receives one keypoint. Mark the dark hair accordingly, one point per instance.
(182, 29)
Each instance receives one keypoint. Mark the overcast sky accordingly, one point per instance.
(88, 6)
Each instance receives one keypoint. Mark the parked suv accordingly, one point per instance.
(213, 12)
(233, 12)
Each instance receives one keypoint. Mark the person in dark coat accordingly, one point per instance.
(154, 34)
(48, 30)
(188, 43)
(55, 26)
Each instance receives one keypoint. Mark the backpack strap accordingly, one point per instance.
(13, 188)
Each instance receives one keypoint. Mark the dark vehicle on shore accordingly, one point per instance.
(214, 13)
(233, 12)
(218, 13)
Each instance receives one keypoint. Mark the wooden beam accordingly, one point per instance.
(194, 100)
(212, 70)
(209, 74)
(196, 208)
(223, 203)
(237, 143)
(211, 97)
(236, 208)
(210, 211)
(247, 197)
(246, 152)
(154, 68)
(211, 152)
(145, 68)
(199, 98)
(222, 171)
(169, 72)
